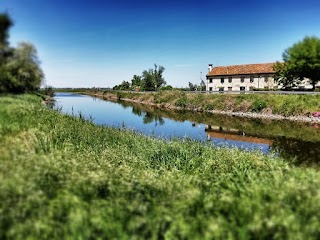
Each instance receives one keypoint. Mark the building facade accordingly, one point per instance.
(241, 77)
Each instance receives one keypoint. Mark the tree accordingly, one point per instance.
(153, 79)
(158, 76)
(150, 80)
(136, 81)
(5, 24)
(22, 70)
(285, 77)
(191, 87)
(5, 50)
(19, 67)
(125, 85)
(202, 86)
(302, 60)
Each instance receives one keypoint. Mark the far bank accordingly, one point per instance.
(270, 106)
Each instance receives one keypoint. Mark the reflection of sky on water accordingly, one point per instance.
(115, 115)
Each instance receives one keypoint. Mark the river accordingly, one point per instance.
(296, 142)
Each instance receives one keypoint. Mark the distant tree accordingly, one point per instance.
(302, 60)
(202, 86)
(191, 87)
(136, 81)
(125, 85)
(167, 87)
(153, 79)
(150, 80)
(149, 83)
(158, 71)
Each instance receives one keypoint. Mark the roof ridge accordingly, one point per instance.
(247, 64)
(252, 68)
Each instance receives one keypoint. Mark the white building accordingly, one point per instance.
(245, 77)
(241, 77)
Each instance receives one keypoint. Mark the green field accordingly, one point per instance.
(63, 177)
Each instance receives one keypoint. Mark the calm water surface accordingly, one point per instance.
(297, 141)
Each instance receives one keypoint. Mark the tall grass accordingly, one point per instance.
(62, 177)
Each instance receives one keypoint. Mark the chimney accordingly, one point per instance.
(210, 67)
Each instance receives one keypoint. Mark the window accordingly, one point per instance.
(210, 80)
(222, 80)
(229, 89)
(221, 89)
(266, 79)
(242, 79)
(230, 79)
(251, 79)
(210, 88)
(242, 88)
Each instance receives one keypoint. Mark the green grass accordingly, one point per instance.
(62, 177)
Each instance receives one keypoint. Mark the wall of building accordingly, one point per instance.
(241, 82)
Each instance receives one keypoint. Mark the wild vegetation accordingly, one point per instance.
(63, 177)
(19, 67)
(286, 105)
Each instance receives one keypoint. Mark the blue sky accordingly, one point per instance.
(96, 43)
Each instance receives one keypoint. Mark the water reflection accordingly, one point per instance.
(148, 117)
(290, 140)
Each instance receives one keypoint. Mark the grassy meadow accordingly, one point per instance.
(63, 177)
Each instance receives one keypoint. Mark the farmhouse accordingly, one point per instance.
(241, 77)
(247, 77)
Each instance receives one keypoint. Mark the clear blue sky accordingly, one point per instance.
(87, 43)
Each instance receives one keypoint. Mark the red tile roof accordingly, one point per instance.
(242, 69)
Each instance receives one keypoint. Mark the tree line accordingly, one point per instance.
(20, 66)
(150, 80)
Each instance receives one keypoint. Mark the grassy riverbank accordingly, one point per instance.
(64, 177)
(285, 105)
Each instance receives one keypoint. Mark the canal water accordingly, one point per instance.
(297, 142)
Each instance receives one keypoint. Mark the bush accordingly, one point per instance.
(258, 105)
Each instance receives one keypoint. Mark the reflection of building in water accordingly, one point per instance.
(227, 133)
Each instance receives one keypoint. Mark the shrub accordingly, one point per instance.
(258, 105)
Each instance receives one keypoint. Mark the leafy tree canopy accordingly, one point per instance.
(151, 80)
(302, 60)
(19, 67)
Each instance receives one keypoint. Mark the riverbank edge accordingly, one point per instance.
(229, 113)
